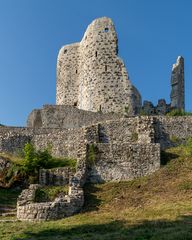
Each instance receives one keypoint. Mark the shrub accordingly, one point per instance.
(36, 159)
(26, 169)
(177, 112)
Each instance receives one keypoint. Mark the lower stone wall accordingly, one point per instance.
(122, 161)
(28, 210)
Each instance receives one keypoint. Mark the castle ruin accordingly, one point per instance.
(96, 108)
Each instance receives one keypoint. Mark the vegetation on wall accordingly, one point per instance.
(49, 193)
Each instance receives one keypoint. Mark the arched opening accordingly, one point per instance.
(106, 29)
(75, 104)
(105, 68)
(96, 54)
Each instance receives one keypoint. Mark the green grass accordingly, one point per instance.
(49, 193)
(157, 207)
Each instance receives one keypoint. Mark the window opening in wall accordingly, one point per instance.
(100, 108)
(106, 29)
(75, 104)
(65, 51)
(96, 54)
(105, 68)
(76, 71)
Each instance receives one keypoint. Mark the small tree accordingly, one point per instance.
(34, 160)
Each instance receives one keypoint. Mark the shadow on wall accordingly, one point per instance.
(14, 144)
(154, 230)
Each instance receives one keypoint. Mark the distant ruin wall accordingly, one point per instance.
(59, 116)
(167, 128)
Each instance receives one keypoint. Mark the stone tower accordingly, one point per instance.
(92, 77)
(177, 85)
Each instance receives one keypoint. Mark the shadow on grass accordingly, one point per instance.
(118, 230)
(91, 201)
(167, 157)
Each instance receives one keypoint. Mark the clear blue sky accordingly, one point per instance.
(152, 33)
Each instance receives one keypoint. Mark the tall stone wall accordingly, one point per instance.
(92, 77)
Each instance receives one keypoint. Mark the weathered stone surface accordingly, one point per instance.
(91, 76)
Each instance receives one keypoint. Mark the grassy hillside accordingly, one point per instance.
(155, 207)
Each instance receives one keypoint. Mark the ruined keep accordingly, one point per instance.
(94, 122)
(177, 85)
(92, 77)
(177, 95)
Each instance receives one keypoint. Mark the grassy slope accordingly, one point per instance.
(154, 207)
